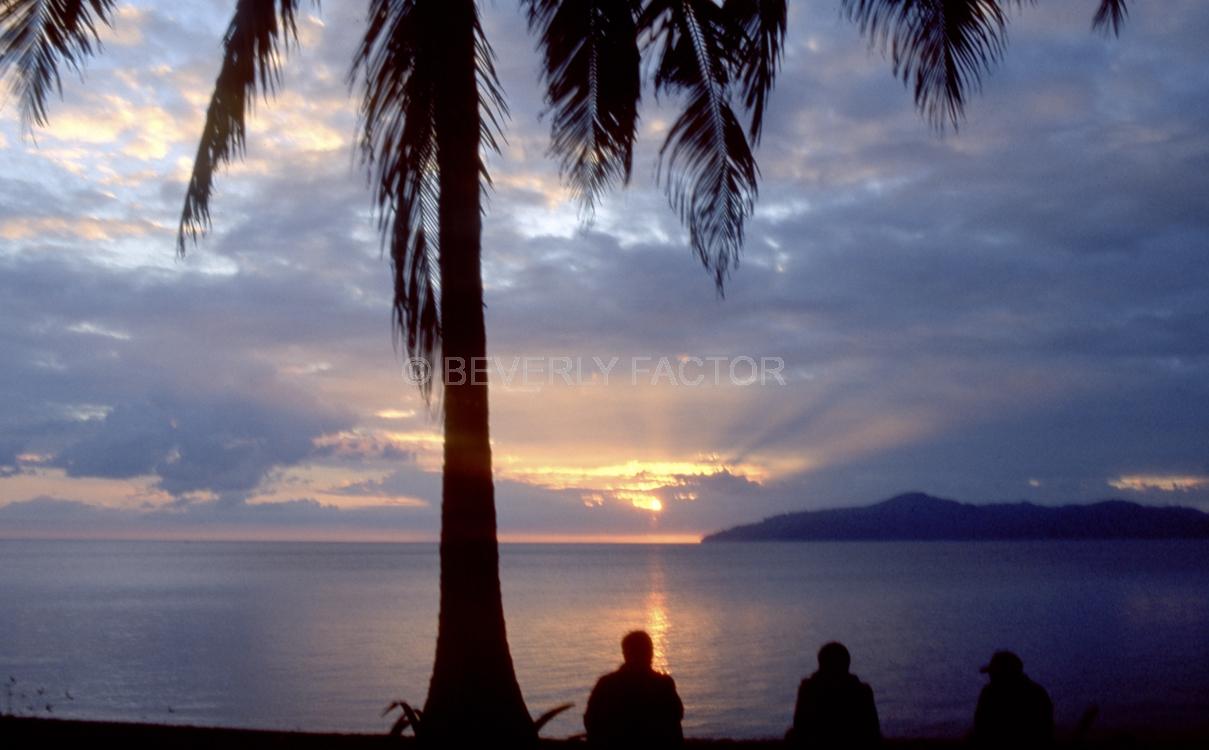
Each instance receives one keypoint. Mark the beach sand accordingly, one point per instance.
(19, 733)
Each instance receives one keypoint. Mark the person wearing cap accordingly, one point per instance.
(834, 709)
(635, 706)
(1013, 711)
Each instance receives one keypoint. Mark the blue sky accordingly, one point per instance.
(1013, 311)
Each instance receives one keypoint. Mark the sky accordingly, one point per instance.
(1013, 311)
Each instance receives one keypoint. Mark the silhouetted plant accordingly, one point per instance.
(413, 718)
(408, 717)
(548, 716)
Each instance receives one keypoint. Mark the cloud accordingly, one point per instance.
(224, 448)
(1159, 482)
(1014, 311)
(8, 456)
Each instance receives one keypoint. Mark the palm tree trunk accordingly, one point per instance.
(473, 696)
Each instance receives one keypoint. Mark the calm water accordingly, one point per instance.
(321, 636)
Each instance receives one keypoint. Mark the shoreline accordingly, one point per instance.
(21, 732)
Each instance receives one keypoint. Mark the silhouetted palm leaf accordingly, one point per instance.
(400, 74)
(591, 69)
(493, 107)
(251, 56)
(1110, 16)
(763, 24)
(399, 146)
(408, 717)
(706, 162)
(37, 37)
(541, 721)
(941, 47)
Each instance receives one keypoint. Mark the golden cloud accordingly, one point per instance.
(86, 228)
(645, 485)
(1159, 482)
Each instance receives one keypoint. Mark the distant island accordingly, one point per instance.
(919, 517)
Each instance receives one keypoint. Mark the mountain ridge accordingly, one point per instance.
(918, 516)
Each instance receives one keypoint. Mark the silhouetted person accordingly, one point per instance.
(834, 709)
(635, 706)
(1013, 711)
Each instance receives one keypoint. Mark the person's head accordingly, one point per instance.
(1004, 665)
(834, 659)
(638, 649)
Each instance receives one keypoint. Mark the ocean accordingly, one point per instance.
(320, 636)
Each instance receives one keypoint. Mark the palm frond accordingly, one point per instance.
(541, 721)
(591, 68)
(397, 66)
(763, 24)
(493, 105)
(706, 162)
(1110, 16)
(252, 49)
(37, 37)
(942, 48)
(408, 717)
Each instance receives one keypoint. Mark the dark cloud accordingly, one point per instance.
(410, 481)
(149, 393)
(219, 447)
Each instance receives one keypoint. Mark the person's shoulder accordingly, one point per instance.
(1038, 690)
(605, 681)
(660, 683)
(809, 686)
(855, 686)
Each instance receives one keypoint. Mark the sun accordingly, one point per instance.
(653, 504)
